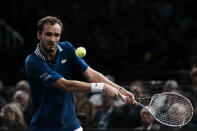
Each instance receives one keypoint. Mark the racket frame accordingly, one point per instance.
(152, 114)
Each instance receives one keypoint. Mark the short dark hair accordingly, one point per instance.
(48, 20)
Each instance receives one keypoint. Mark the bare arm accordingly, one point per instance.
(78, 86)
(94, 76)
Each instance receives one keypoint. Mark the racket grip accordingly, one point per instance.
(143, 98)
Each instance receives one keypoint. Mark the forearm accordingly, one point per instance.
(99, 84)
(94, 76)
(73, 85)
(98, 77)
(78, 86)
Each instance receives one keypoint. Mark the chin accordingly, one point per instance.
(50, 50)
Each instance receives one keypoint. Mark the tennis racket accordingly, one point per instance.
(169, 108)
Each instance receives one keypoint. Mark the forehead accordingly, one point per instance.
(52, 28)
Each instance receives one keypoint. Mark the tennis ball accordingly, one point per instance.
(80, 52)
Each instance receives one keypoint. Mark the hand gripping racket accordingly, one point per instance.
(169, 108)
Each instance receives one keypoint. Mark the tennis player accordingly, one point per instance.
(49, 73)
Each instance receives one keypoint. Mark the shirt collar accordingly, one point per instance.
(40, 55)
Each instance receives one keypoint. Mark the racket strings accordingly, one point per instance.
(172, 109)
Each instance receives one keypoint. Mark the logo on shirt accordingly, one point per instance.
(63, 61)
(45, 76)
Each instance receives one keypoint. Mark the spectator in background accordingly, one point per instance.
(12, 117)
(193, 74)
(193, 89)
(2, 100)
(147, 121)
(138, 88)
(2, 103)
(108, 116)
(21, 97)
(170, 85)
(23, 85)
(79, 97)
(86, 113)
(132, 112)
(193, 77)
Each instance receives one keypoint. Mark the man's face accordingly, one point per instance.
(49, 37)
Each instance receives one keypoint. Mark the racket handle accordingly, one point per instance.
(143, 98)
(140, 105)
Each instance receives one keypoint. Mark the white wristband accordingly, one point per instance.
(97, 87)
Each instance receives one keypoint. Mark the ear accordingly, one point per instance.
(38, 35)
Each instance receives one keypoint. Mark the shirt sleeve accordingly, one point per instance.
(77, 62)
(38, 69)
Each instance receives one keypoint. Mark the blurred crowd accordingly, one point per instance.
(99, 111)
(15, 105)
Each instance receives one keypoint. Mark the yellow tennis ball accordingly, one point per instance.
(81, 52)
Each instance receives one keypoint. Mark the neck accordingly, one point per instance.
(48, 55)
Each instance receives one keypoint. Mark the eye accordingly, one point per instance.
(48, 34)
(56, 34)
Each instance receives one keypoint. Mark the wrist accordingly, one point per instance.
(120, 89)
(97, 87)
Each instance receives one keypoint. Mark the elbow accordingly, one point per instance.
(62, 84)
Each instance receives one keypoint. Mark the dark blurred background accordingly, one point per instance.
(129, 39)
(146, 46)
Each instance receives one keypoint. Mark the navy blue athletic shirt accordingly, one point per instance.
(53, 108)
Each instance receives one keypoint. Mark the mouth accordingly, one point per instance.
(51, 44)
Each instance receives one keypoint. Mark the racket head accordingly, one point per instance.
(171, 109)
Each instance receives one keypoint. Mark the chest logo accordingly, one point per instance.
(63, 61)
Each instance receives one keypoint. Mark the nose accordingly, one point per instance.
(52, 38)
